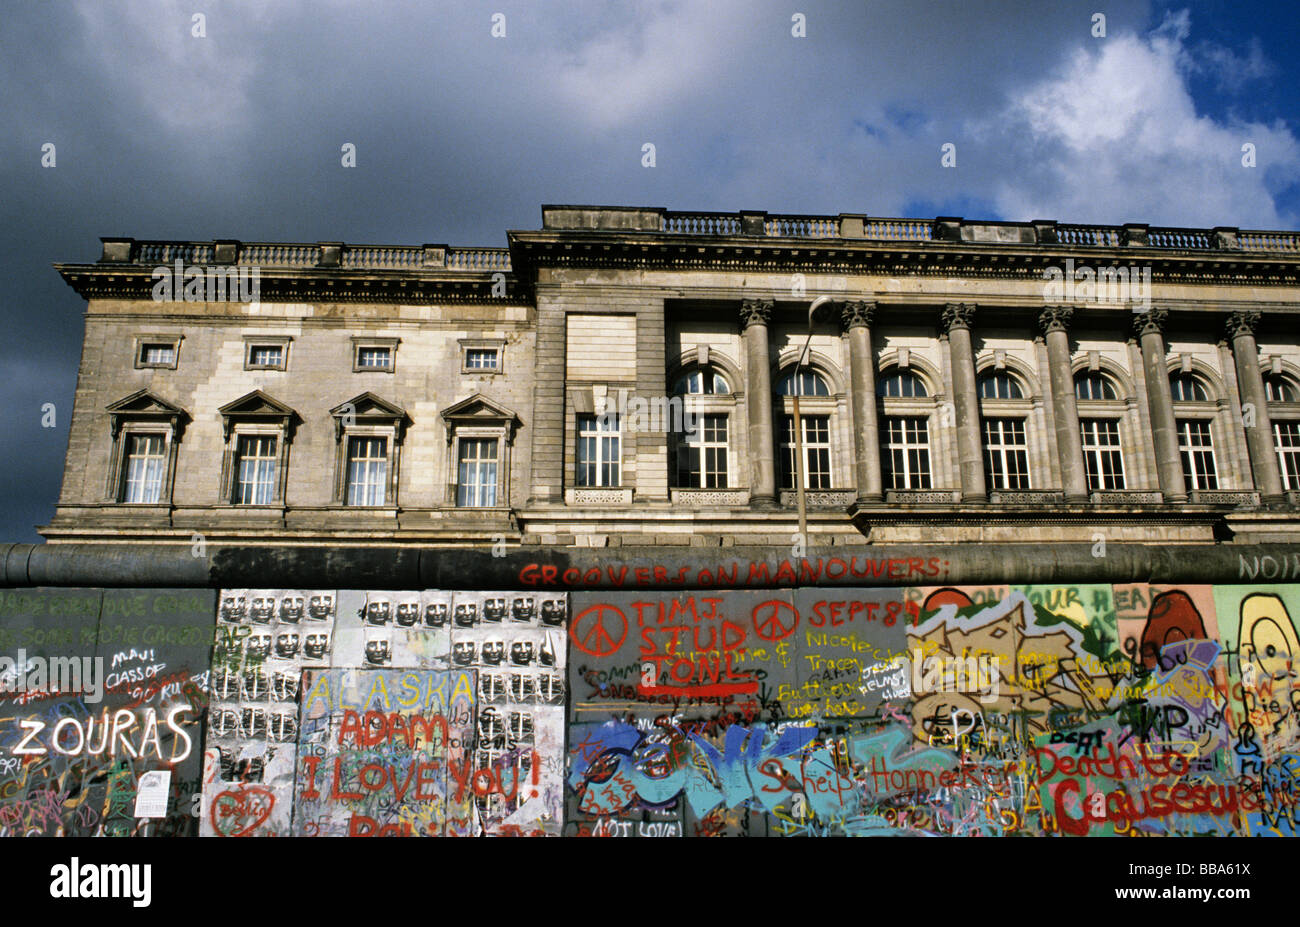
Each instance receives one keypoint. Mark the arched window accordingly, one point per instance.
(1006, 448)
(1089, 384)
(1278, 391)
(1195, 438)
(1278, 388)
(701, 381)
(1187, 387)
(810, 383)
(1099, 418)
(901, 384)
(998, 384)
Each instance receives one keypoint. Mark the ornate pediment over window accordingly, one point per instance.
(480, 412)
(368, 409)
(144, 406)
(257, 408)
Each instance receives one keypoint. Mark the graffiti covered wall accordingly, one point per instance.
(1012, 710)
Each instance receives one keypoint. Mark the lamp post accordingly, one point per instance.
(799, 477)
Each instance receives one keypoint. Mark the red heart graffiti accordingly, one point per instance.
(239, 812)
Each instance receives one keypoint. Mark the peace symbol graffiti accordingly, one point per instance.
(599, 630)
(771, 624)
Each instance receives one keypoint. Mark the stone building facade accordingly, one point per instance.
(965, 382)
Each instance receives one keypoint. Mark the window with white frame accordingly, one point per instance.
(144, 468)
(807, 383)
(901, 384)
(702, 454)
(1196, 448)
(1093, 385)
(481, 358)
(598, 454)
(1279, 388)
(998, 384)
(701, 381)
(367, 471)
(262, 353)
(255, 471)
(816, 451)
(1286, 439)
(1103, 458)
(1006, 455)
(907, 452)
(374, 355)
(159, 351)
(476, 472)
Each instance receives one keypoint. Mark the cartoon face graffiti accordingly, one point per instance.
(1269, 648)
(462, 653)
(258, 646)
(408, 613)
(378, 611)
(233, 609)
(291, 609)
(494, 652)
(378, 653)
(522, 609)
(284, 686)
(286, 645)
(435, 614)
(521, 653)
(466, 615)
(316, 646)
(263, 609)
(553, 612)
(320, 608)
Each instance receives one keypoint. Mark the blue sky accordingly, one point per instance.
(461, 136)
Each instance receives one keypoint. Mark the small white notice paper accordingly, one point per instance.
(151, 796)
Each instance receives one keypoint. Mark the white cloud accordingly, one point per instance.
(1115, 136)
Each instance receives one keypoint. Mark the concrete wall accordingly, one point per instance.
(995, 709)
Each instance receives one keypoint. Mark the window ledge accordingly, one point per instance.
(1026, 497)
(1223, 497)
(699, 498)
(820, 498)
(922, 496)
(595, 495)
(1126, 497)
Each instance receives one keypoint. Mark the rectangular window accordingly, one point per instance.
(907, 453)
(1006, 458)
(158, 355)
(1286, 438)
(481, 358)
(266, 355)
(476, 484)
(255, 474)
(816, 451)
(375, 358)
(1102, 458)
(598, 450)
(144, 469)
(1196, 448)
(367, 473)
(702, 456)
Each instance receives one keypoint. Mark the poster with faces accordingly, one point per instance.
(264, 639)
(393, 629)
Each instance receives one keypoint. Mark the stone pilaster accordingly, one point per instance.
(857, 317)
(957, 319)
(755, 317)
(1239, 331)
(1055, 322)
(1149, 328)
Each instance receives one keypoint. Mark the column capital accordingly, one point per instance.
(756, 312)
(858, 312)
(1152, 321)
(1241, 323)
(957, 315)
(1055, 318)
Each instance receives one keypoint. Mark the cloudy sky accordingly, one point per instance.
(461, 135)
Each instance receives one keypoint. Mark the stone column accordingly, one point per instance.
(1169, 467)
(1055, 321)
(755, 315)
(857, 318)
(957, 319)
(1240, 332)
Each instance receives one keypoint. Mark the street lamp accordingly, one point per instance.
(799, 478)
